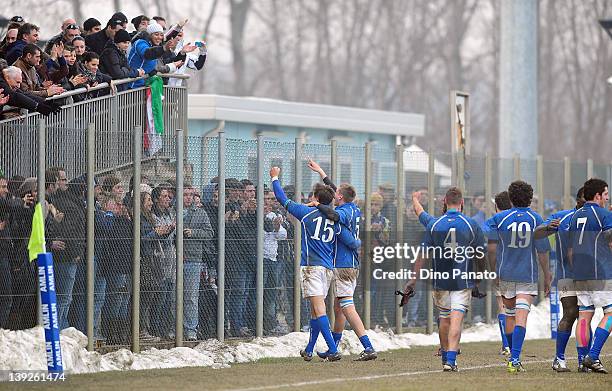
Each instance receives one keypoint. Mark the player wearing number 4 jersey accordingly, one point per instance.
(457, 243)
(318, 241)
(589, 251)
(517, 268)
(346, 263)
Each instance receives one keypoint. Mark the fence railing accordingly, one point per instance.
(197, 267)
(112, 116)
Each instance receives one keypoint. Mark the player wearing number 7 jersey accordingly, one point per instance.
(589, 251)
(517, 268)
(316, 266)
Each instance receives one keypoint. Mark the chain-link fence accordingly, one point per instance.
(187, 289)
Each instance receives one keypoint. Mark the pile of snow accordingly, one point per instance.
(25, 349)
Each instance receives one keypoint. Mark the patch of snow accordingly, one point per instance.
(24, 349)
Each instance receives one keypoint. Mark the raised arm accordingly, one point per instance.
(297, 210)
(314, 166)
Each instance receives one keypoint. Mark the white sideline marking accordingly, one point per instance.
(374, 377)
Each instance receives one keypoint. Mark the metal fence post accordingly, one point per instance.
(331, 297)
(260, 237)
(461, 169)
(180, 189)
(589, 172)
(91, 206)
(137, 140)
(367, 266)
(297, 236)
(517, 167)
(221, 239)
(41, 195)
(431, 188)
(567, 183)
(540, 210)
(399, 227)
(490, 209)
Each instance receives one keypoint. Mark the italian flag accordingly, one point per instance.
(155, 116)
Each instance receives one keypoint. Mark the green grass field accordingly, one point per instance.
(409, 369)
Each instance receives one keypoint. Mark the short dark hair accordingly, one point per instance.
(77, 38)
(50, 178)
(26, 28)
(323, 193)
(502, 201)
(158, 18)
(246, 182)
(348, 192)
(521, 194)
(88, 56)
(453, 196)
(592, 187)
(68, 48)
(30, 49)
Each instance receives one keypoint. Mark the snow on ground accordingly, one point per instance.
(25, 349)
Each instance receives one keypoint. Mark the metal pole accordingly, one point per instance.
(431, 188)
(540, 210)
(91, 207)
(180, 189)
(517, 167)
(589, 168)
(489, 211)
(137, 145)
(221, 240)
(567, 183)
(461, 169)
(399, 228)
(260, 237)
(331, 298)
(367, 266)
(297, 236)
(41, 196)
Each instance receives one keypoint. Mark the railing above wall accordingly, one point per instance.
(113, 116)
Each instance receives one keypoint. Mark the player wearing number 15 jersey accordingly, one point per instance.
(590, 253)
(517, 267)
(316, 266)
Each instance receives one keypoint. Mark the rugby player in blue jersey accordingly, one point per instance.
(590, 254)
(557, 224)
(454, 242)
(346, 262)
(318, 242)
(517, 267)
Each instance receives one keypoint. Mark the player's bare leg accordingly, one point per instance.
(564, 331)
(345, 310)
(453, 335)
(501, 319)
(522, 309)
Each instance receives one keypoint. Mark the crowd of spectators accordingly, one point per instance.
(65, 234)
(86, 56)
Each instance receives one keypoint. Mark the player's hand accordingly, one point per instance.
(275, 172)
(554, 225)
(314, 166)
(416, 196)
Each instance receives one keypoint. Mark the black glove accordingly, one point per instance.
(44, 109)
(405, 295)
(476, 293)
(152, 73)
(56, 107)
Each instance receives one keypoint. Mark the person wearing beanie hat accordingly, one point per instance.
(154, 27)
(114, 62)
(96, 42)
(91, 26)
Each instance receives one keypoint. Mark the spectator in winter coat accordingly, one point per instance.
(97, 42)
(27, 33)
(91, 26)
(31, 82)
(113, 61)
(94, 77)
(145, 53)
(10, 81)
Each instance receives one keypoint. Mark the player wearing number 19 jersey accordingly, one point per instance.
(589, 250)
(517, 267)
